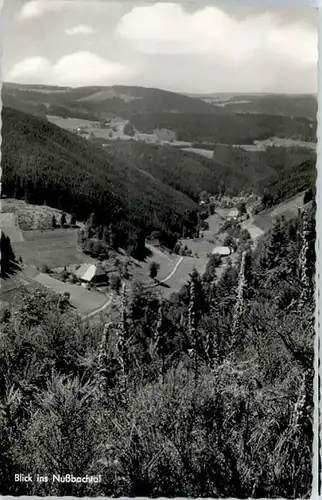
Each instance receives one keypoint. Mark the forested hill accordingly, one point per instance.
(44, 163)
(226, 128)
(148, 109)
(99, 102)
(136, 186)
(230, 171)
(184, 171)
(289, 182)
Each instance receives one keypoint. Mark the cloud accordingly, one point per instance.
(28, 68)
(80, 68)
(81, 29)
(168, 29)
(36, 8)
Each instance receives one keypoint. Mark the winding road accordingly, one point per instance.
(97, 311)
(173, 271)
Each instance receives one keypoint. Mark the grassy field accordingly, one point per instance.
(140, 270)
(33, 239)
(288, 209)
(84, 300)
(71, 123)
(114, 131)
(56, 248)
(181, 276)
(205, 245)
(286, 143)
(203, 152)
(254, 230)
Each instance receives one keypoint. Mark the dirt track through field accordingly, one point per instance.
(173, 271)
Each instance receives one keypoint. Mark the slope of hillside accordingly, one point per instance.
(126, 101)
(226, 128)
(230, 171)
(283, 105)
(261, 167)
(22, 104)
(300, 105)
(183, 171)
(191, 118)
(289, 182)
(100, 102)
(44, 163)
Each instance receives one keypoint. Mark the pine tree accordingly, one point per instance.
(153, 270)
(276, 244)
(8, 259)
(73, 220)
(63, 219)
(106, 235)
(90, 225)
(111, 236)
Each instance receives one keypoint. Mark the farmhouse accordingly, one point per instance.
(90, 273)
(233, 214)
(223, 251)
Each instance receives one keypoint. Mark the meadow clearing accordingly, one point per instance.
(203, 152)
(71, 123)
(57, 248)
(84, 300)
(289, 208)
(140, 270)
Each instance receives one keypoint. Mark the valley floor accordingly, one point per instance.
(58, 248)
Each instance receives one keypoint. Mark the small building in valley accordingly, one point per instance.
(91, 273)
(233, 214)
(223, 251)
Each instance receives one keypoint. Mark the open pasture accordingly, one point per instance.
(203, 152)
(71, 123)
(140, 270)
(84, 300)
(181, 275)
(288, 209)
(57, 248)
(205, 245)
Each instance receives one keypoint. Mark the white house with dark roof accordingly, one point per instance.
(91, 273)
(233, 213)
(223, 251)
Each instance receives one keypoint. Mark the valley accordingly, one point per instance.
(136, 183)
(159, 218)
(158, 254)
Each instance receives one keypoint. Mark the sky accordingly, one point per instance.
(194, 47)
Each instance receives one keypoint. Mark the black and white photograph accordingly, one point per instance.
(158, 248)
